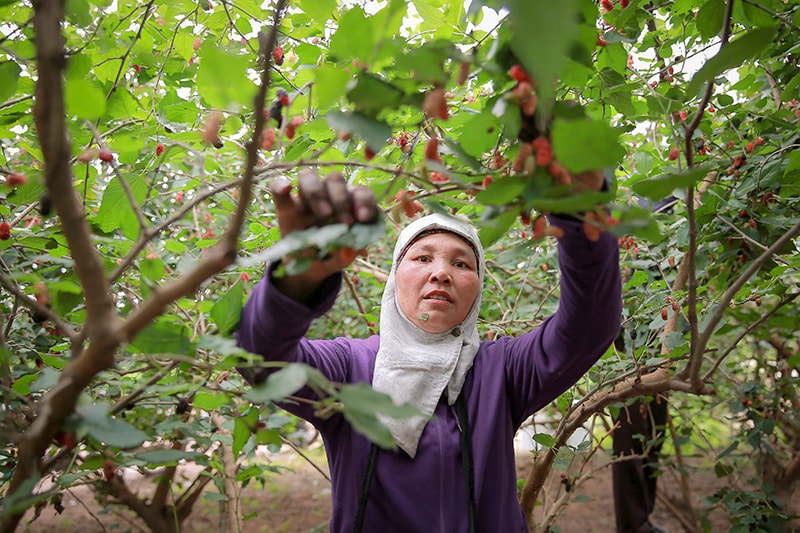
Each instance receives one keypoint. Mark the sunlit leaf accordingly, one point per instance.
(355, 36)
(709, 18)
(9, 74)
(495, 227)
(210, 400)
(226, 311)
(662, 186)
(279, 384)
(165, 457)
(163, 336)
(572, 137)
(374, 132)
(545, 440)
(84, 99)
(104, 428)
(539, 26)
(731, 55)
(222, 78)
(362, 404)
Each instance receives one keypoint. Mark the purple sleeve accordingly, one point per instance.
(274, 326)
(542, 364)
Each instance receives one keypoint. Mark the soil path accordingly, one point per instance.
(299, 501)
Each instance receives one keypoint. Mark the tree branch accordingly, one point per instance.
(749, 329)
(233, 511)
(659, 381)
(725, 300)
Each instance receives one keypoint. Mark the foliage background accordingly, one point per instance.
(120, 290)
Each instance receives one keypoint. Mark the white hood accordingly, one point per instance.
(415, 366)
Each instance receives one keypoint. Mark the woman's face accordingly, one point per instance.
(437, 282)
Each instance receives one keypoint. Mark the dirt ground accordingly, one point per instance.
(298, 501)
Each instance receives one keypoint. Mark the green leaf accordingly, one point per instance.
(370, 94)
(166, 457)
(242, 429)
(46, 380)
(319, 10)
(538, 27)
(214, 496)
(78, 12)
(759, 16)
(456, 147)
(222, 78)
(638, 279)
(709, 18)
(571, 203)
(23, 498)
(545, 440)
(279, 385)
(479, 133)
(734, 54)
(330, 85)
(374, 132)
(355, 37)
(116, 211)
(495, 227)
(503, 191)
(361, 405)
(84, 99)
(152, 268)
(660, 187)
(102, 427)
(723, 469)
(724, 100)
(163, 336)
(426, 62)
(228, 309)
(22, 385)
(324, 239)
(210, 400)
(582, 145)
(9, 76)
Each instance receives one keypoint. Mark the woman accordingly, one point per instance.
(455, 469)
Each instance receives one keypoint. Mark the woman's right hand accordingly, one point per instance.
(319, 202)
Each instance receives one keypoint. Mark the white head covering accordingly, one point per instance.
(415, 366)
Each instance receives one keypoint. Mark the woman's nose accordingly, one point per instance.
(440, 274)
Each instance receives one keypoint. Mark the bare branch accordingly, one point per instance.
(233, 512)
(39, 308)
(659, 381)
(749, 329)
(725, 300)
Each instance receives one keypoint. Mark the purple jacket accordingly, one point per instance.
(511, 378)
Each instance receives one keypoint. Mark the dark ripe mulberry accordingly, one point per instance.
(183, 406)
(276, 109)
(45, 205)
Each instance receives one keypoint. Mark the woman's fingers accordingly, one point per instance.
(286, 207)
(314, 195)
(319, 202)
(365, 205)
(339, 197)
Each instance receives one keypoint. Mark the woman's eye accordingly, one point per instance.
(423, 259)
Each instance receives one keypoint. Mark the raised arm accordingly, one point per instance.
(279, 311)
(541, 364)
(318, 203)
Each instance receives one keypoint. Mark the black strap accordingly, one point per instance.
(466, 463)
(466, 458)
(362, 502)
